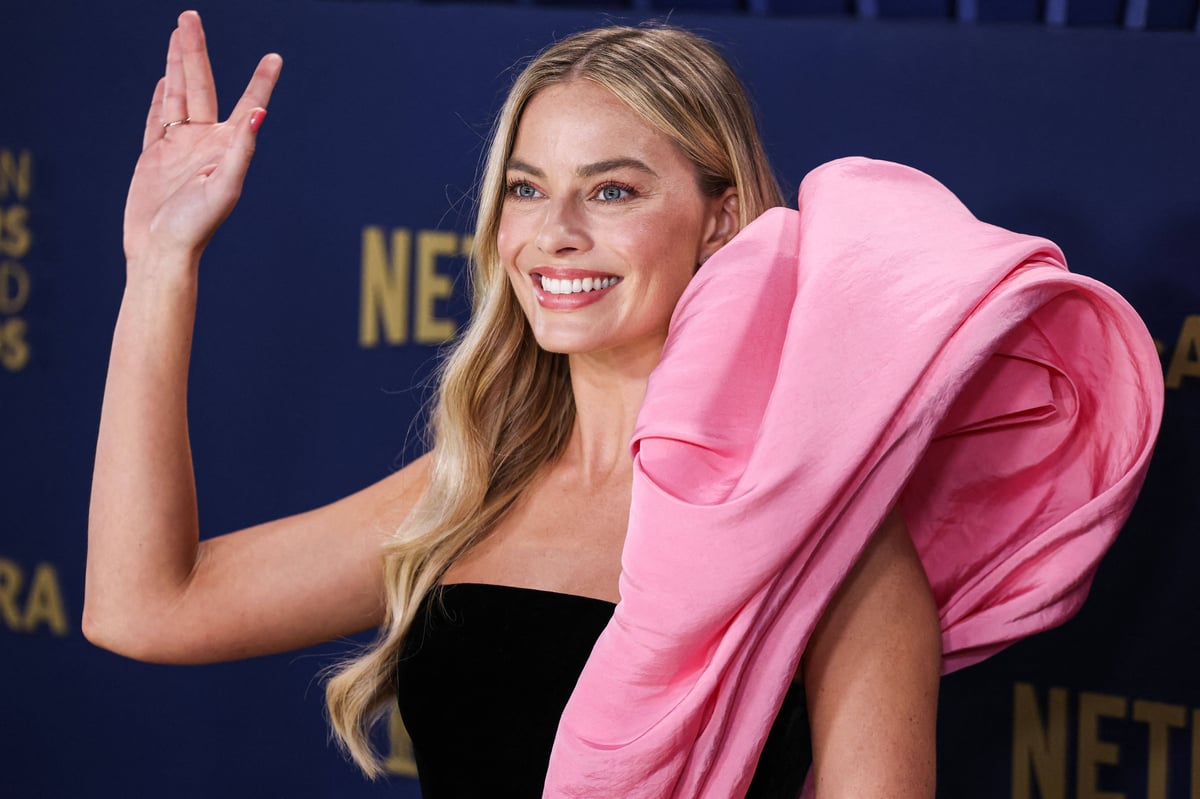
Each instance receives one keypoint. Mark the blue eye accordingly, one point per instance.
(521, 190)
(612, 192)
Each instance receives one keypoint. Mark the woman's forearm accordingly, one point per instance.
(143, 525)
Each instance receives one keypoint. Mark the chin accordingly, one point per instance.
(564, 345)
(632, 351)
(564, 336)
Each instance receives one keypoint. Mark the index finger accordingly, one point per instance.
(174, 98)
(258, 90)
(154, 128)
(197, 69)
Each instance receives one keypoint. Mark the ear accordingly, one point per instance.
(723, 220)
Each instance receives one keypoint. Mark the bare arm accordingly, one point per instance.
(871, 676)
(153, 590)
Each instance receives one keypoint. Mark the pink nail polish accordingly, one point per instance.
(256, 120)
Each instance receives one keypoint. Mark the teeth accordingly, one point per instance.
(553, 286)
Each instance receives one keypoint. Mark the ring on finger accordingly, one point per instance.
(175, 122)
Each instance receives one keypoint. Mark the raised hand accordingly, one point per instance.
(154, 589)
(192, 166)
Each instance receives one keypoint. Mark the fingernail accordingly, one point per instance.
(256, 119)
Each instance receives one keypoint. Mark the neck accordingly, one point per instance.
(609, 388)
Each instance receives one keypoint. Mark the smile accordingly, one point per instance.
(578, 285)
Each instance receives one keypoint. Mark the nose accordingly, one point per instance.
(563, 228)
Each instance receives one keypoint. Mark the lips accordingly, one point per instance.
(559, 288)
(577, 285)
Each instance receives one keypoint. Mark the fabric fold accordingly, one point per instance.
(878, 346)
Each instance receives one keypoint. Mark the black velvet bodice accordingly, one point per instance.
(486, 672)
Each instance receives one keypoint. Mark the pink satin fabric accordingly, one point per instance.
(879, 345)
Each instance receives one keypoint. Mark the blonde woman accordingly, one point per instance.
(621, 162)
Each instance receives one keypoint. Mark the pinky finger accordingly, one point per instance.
(154, 128)
(258, 90)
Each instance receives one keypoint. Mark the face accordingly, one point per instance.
(603, 223)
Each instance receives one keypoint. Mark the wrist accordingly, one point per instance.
(161, 271)
(161, 288)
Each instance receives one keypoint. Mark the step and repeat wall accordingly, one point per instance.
(328, 295)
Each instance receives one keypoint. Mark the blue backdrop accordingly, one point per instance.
(326, 295)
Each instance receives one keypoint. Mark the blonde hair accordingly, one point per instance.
(504, 407)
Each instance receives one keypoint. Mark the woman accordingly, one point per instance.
(622, 160)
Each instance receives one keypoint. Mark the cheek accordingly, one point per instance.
(671, 245)
(507, 247)
(505, 238)
(518, 284)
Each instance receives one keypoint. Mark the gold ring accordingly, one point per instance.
(177, 122)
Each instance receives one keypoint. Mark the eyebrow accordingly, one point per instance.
(588, 170)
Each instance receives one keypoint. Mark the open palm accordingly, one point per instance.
(189, 175)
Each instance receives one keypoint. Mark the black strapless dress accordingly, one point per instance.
(485, 675)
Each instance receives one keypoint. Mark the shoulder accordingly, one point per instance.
(388, 501)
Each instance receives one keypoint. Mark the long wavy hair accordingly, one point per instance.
(504, 407)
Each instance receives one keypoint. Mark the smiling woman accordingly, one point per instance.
(616, 237)
(627, 156)
(603, 198)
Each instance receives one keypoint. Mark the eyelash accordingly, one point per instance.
(513, 186)
(630, 191)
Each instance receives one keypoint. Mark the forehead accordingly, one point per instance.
(580, 122)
